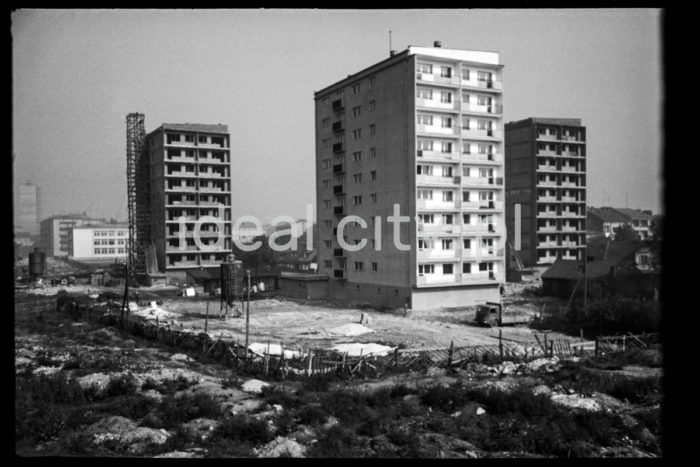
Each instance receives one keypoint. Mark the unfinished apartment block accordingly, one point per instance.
(546, 177)
(189, 177)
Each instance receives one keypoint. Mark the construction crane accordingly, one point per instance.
(138, 206)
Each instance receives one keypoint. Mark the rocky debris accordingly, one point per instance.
(201, 428)
(99, 380)
(608, 402)
(480, 411)
(177, 454)
(126, 433)
(214, 389)
(446, 446)
(246, 406)
(281, 447)
(541, 390)
(624, 451)
(254, 386)
(153, 394)
(546, 365)
(47, 370)
(506, 368)
(331, 421)
(142, 437)
(349, 330)
(303, 434)
(180, 357)
(25, 353)
(628, 421)
(575, 401)
(502, 385)
(115, 425)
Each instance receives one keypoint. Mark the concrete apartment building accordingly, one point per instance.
(100, 242)
(422, 129)
(57, 233)
(546, 176)
(27, 208)
(189, 175)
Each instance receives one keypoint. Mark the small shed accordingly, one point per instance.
(306, 286)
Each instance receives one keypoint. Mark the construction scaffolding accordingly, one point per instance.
(137, 196)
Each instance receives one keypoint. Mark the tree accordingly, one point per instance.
(626, 233)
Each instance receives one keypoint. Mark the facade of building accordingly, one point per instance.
(422, 130)
(107, 241)
(604, 221)
(546, 177)
(189, 176)
(57, 233)
(27, 208)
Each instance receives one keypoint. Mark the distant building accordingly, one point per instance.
(546, 177)
(604, 221)
(57, 233)
(107, 241)
(421, 129)
(189, 178)
(27, 208)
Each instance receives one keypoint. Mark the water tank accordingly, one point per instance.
(231, 281)
(437, 44)
(37, 263)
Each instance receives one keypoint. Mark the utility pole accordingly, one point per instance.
(247, 316)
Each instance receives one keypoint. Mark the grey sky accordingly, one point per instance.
(77, 73)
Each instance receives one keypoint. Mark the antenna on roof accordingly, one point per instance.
(390, 41)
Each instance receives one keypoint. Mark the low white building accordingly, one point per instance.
(104, 241)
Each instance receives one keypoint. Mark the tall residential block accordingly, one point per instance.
(27, 208)
(189, 177)
(422, 130)
(546, 177)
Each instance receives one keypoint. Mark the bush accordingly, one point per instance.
(312, 414)
(277, 395)
(338, 441)
(121, 385)
(349, 407)
(175, 410)
(243, 429)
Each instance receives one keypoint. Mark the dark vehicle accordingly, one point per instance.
(493, 314)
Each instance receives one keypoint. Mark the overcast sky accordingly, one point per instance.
(78, 73)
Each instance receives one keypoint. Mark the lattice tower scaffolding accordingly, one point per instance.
(137, 195)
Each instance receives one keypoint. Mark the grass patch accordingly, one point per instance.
(243, 430)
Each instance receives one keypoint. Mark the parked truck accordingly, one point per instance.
(496, 314)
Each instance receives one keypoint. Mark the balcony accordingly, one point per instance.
(569, 228)
(547, 244)
(571, 185)
(570, 154)
(478, 277)
(493, 85)
(491, 205)
(545, 183)
(211, 174)
(211, 160)
(338, 105)
(495, 109)
(437, 228)
(181, 174)
(436, 130)
(549, 259)
(339, 274)
(570, 244)
(183, 264)
(433, 78)
(548, 228)
(338, 210)
(338, 126)
(480, 133)
(570, 214)
(338, 147)
(547, 199)
(212, 190)
(338, 190)
(547, 137)
(181, 188)
(496, 181)
(181, 160)
(567, 168)
(436, 205)
(338, 252)
(436, 180)
(482, 157)
(435, 104)
(436, 279)
(437, 155)
(476, 228)
(547, 168)
(547, 214)
(468, 181)
(338, 169)
(571, 139)
(436, 254)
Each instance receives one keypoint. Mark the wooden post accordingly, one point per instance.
(500, 342)
(206, 317)
(450, 352)
(281, 360)
(623, 342)
(545, 343)
(396, 357)
(551, 349)
(267, 357)
(311, 357)
(247, 317)
(581, 333)
(342, 367)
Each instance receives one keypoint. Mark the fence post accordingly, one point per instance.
(311, 357)
(551, 349)
(623, 342)
(396, 358)
(342, 368)
(450, 352)
(206, 318)
(267, 357)
(500, 342)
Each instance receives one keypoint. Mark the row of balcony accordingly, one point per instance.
(563, 168)
(555, 137)
(562, 199)
(459, 106)
(194, 189)
(193, 174)
(430, 78)
(193, 160)
(550, 153)
(457, 278)
(464, 156)
(555, 184)
(560, 214)
(455, 131)
(473, 253)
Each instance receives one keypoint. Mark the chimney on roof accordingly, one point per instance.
(437, 44)
(392, 53)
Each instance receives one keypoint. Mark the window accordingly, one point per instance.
(448, 268)
(484, 124)
(372, 106)
(467, 268)
(423, 93)
(446, 122)
(339, 94)
(446, 97)
(326, 143)
(372, 153)
(483, 100)
(356, 111)
(324, 101)
(357, 178)
(326, 163)
(373, 198)
(371, 81)
(426, 218)
(467, 243)
(424, 169)
(358, 265)
(447, 196)
(425, 194)
(447, 219)
(328, 263)
(372, 129)
(373, 175)
(325, 123)
(446, 171)
(425, 244)
(465, 74)
(326, 183)
(326, 203)
(483, 76)
(446, 147)
(340, 139)
(202, 139)
(326, 223)
(465, 97)
(466, 148)
(425, 68)
(447, 244)
(465, 124)
(357, 156)
(328, 243)
(426, 269)
(357, 134)
(374, 267)
(485, 266)
(356, 200)
(425, 145)
(424, 119)
(189, 138)
(356, 88)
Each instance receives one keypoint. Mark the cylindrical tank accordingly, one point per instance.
(231, 281)
(37, 263)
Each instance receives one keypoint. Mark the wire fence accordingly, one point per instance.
(306, 362)
(36, 306)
